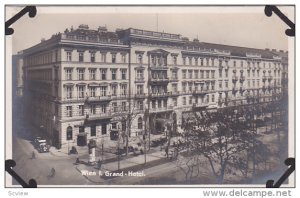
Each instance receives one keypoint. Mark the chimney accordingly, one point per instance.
(273, 50)
(267, 49)
(281, 51)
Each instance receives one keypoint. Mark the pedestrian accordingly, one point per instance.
(77, 160)
(33, 155)
(167, 152)
(99, 164)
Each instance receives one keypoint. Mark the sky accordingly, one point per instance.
(239, 26)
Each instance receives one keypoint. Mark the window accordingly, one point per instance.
(174, 88)
(124, 71)
(253, 83)
(190, 60)
(174, 60)
(123, 106)
(114, 90)
(103, 57)
(159, 104)
(212, 74)
(184, 74)
(69, 56)
(140, 58)
(201, 62)
(115, 107)
(69, 133)
(207, 61)
(190, 87)
(207, 74)
(113, 58)
(220, 73)
(257, 82)
(165, 102)
(103, 129)
(174, 74)
(212, 62)
(234, 63)
(140, 89)
(190, 74)
(92, 91)
(80, 91)
(113, 74)
(140, 74)
(92, 57)
(80, 74)
(81, 129)
(220, 84)
(253, 73)
(93, 130)
(257, 73)
(196, 72)
(123, 90)
(69, 111)
(123, 58)
(184, 87)
(81, 110)
(201, 74)
(226, 73)
(69, 92)
(80, 56)
(140, 123)
(93, 109)
(184, 60)
(220, 63)
(103, 74)
(183, 101)
(92, 74)
(226, 84)
(190, 100)
(153, 104)
(175, 102)
(212, 86)
(103, 90)
(248, 73)
(140, 105)
(68, 74)
(242, 63)
(212, 98)
(103, 108)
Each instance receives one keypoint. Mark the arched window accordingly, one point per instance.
(69, 133)
(140, 123)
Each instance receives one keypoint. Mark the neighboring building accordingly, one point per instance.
(82, 83)
(17, 74)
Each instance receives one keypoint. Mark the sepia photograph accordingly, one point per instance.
(149, 96)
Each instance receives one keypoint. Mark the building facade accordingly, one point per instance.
(86, 84)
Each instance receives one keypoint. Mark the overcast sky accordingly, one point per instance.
(240, 26)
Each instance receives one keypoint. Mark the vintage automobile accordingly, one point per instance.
(43, 147)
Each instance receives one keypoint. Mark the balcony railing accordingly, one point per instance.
(139, 80)
(140, 95)
(163, 94)
(95, 117)
(159, 80)
(158, 67)
(203, 91)
(98, 99)
(161, 109)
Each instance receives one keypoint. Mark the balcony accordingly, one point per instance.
(235, 79)
(140, 95)
(174, 93)
(139, 80)
(160, 95)
(95, 118)
(159, 80)
(201, 92)
(174, 79)
(158, 67)
(161, 109)
(242, 79)
(199, 105)
(97, 99)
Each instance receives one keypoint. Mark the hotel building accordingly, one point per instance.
(83, 84)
